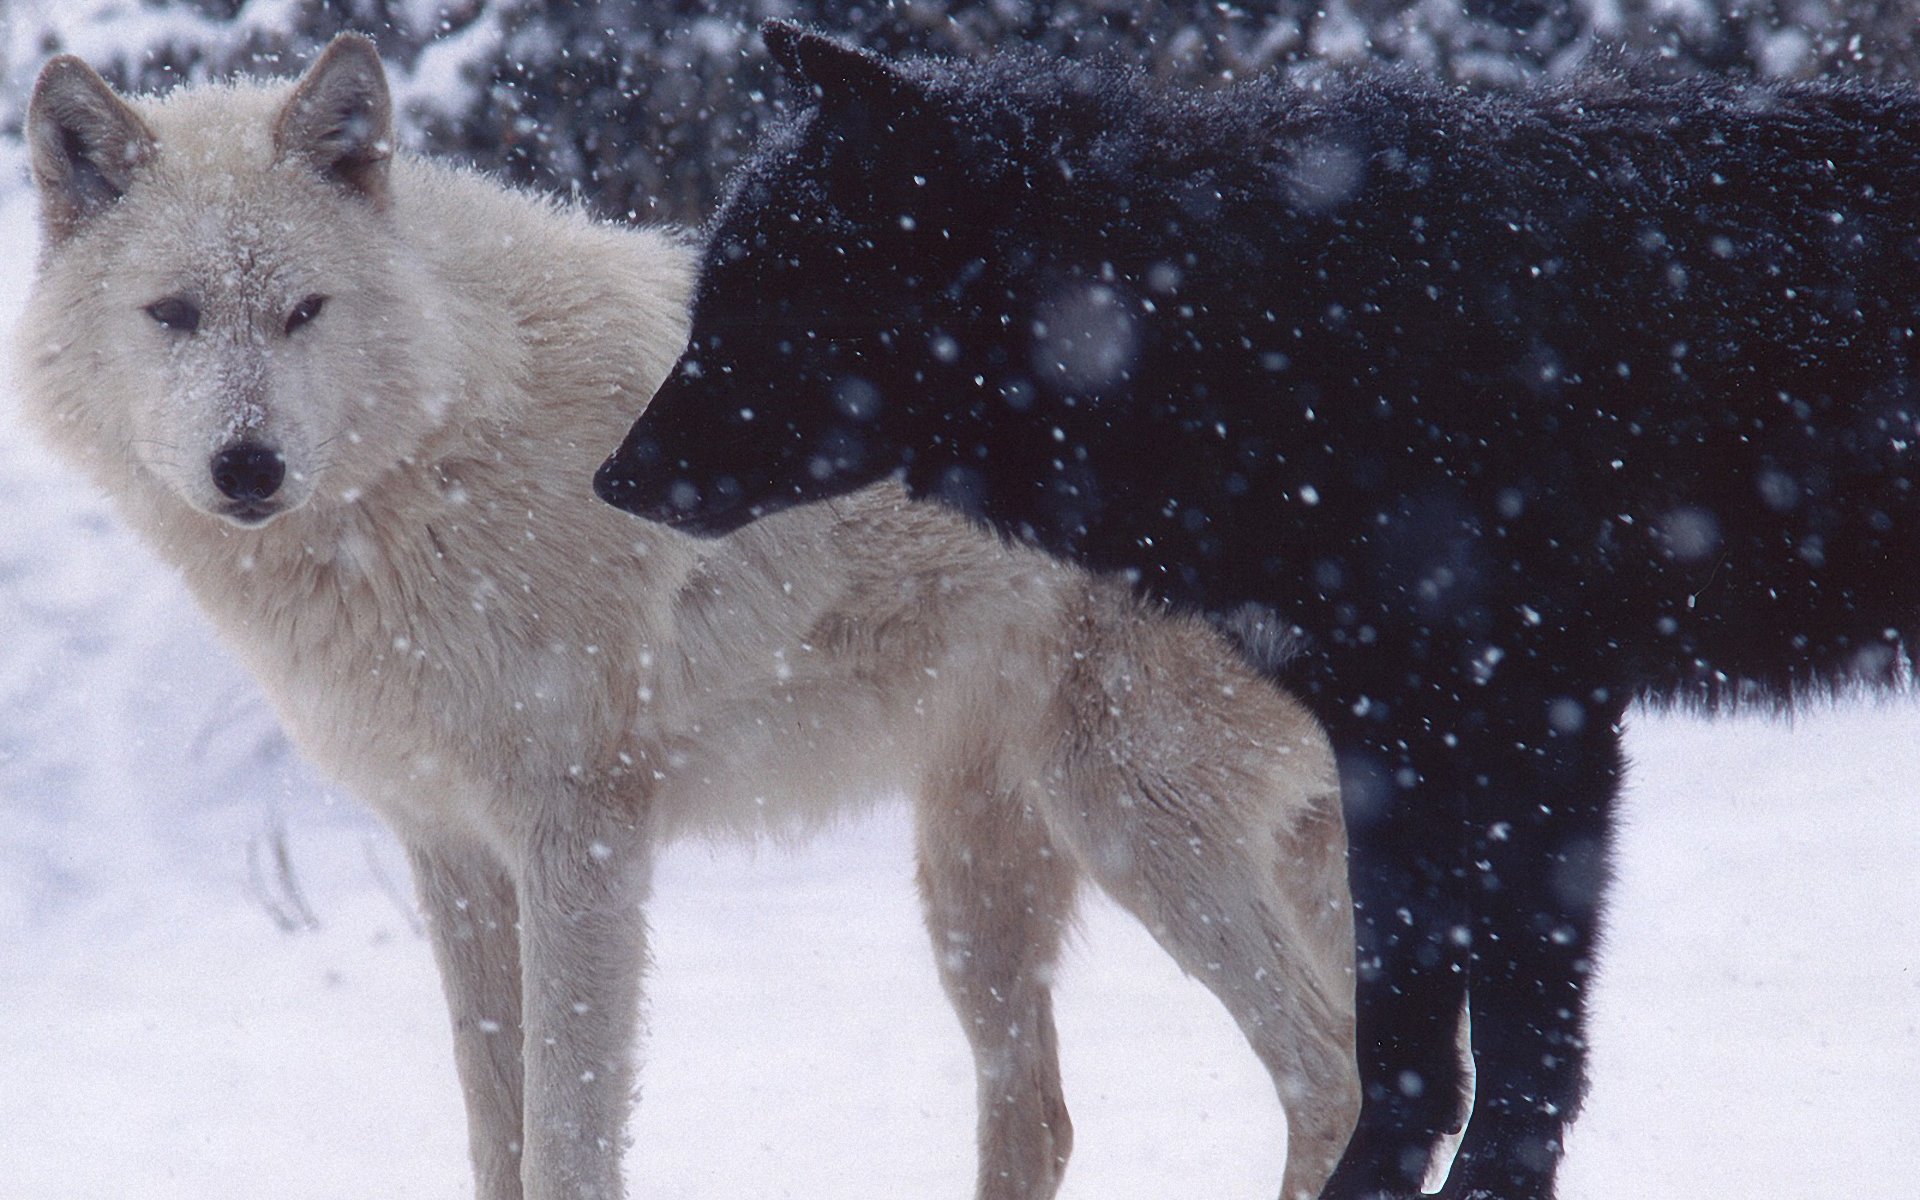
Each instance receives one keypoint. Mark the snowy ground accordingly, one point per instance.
(1757, 1024)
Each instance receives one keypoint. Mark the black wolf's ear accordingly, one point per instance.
(845, 76)
(339, 119)
(86, 143)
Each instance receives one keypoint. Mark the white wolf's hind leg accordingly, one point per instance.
(473, 920)
(583, 943)
(997, 899)
(1248, 893)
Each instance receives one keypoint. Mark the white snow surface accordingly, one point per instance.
(1756, 1021)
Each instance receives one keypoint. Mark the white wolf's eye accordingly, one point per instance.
(176, 313)
(304, 311)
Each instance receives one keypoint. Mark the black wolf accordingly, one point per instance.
(1513, 408)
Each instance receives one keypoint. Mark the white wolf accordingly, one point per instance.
(357, 400)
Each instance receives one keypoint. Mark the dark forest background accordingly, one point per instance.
(641, 107)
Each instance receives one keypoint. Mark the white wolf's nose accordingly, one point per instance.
(248, 472)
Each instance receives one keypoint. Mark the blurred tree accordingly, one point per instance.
(641, 107)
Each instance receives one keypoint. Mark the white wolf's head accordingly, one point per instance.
(226, 305)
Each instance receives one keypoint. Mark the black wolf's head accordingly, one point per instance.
(864, 307)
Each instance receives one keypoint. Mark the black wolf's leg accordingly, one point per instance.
(1405, 863)
(1539, 868)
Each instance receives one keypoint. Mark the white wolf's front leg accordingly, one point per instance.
(473, 918)
(583, 939)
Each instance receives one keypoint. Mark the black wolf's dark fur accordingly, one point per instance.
(1519, 407)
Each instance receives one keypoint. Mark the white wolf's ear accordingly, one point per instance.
(87, 144)
(845, 76)
(339, 119)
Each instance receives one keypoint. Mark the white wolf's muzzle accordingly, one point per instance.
(248, 475)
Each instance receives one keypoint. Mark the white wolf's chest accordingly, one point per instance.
(435, 684)
(460, 683)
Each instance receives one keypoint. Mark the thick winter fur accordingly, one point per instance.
(357, 400)
(1518, 407)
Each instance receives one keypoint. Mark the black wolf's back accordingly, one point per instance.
(1631, 367)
